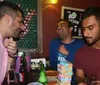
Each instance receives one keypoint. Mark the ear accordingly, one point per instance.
(71, 28)
(8, 19)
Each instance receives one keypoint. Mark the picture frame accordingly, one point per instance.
(73, 15)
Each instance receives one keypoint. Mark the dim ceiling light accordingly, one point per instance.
(53, 1)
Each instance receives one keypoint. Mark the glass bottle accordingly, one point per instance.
(12, 76)
(42, 77)
(23, 69)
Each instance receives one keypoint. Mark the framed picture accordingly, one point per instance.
(74, 15)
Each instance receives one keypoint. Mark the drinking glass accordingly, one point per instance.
(92, 77)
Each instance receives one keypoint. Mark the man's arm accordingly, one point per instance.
(53, 56)
(80, 77)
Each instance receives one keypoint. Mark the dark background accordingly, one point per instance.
(52, 13)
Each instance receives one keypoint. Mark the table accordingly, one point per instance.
(32, 76)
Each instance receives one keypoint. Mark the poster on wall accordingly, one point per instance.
(74, 15)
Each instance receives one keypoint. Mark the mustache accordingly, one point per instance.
(87, 37)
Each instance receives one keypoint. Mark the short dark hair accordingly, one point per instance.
(70, 24)
(91, 11)
(7, 7)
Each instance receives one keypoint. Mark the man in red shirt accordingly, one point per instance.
(87, 59)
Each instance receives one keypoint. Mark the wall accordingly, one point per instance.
(52, 13)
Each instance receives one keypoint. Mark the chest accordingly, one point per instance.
(91, 62)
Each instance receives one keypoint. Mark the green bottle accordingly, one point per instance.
(42, 77)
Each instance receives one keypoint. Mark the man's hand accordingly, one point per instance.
(11, 46)
(63, 50)
(80, 77)
(97, 82)
(82, 83)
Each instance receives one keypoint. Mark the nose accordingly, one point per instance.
(22, 27)
(85, 32)
(59, 27)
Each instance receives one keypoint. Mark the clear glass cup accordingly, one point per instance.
(92, 77)
(35, 83)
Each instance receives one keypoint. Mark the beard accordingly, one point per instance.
(16, 36)
(92, 42)
(61, 36)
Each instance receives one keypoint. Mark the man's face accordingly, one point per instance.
(63, 30)
(16, 26)
(91, 30)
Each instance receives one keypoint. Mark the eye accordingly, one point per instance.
(90, 27)
(20, 22)
(61, 25)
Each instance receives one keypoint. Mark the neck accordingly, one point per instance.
(3, 38)
(97, 45)
(2, 31)
(2, 34)
(67, 41)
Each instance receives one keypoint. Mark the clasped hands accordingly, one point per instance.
(11, 46)
(63, 50)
